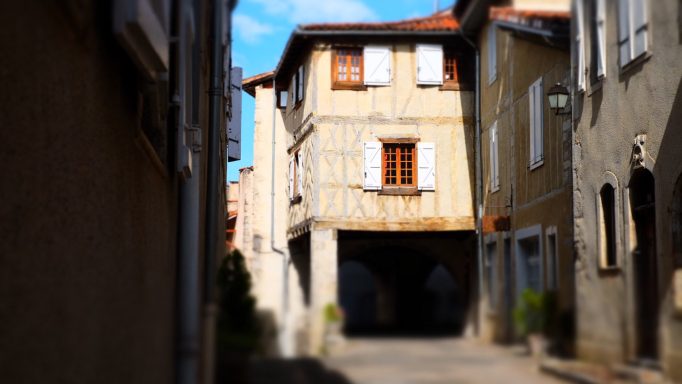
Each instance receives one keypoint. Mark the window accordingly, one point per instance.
(598, 41)
(347, 68)
(450, 68)
(400, 166)
(491, 273)
(296, 173)
(552, 260)
(282, 96)
(354, 68)
(494, 160)
(298, 85)
(536, 97)
(492, 54)
(607, 227)
(632, 29)
(530, 264)
(429, 64)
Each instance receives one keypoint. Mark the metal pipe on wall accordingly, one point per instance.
(284, 340)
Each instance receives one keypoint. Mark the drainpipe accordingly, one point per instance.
(213, 183)
(189, 166)
(284, 339)
(479, 180)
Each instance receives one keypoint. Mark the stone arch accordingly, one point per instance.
(357, 294)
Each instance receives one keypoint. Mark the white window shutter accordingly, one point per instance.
(492, 54)
(429, 64)
(538, 112)
(531, 121)
(377, 62)
(580, 45)
(426, 163)
(497, 158)
(299, 173)
(600, 21)
(291, 177)
(491, 147)
(372, 161)
(639, 27)
(300, 83)
(624, 32)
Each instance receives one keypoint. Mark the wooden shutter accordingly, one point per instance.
(291, 177)
(624, 32)
(429, 64)
(535, 97)
(234, 127)
(426, 163)
(580, 45)
(492, 54)
(372, 161)
(299, 173)
(639, 27)
(600, 25)
(377, 61)
(300, 83)
(494, 162)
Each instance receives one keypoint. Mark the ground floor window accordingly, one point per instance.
(529, 264)
(491, 275)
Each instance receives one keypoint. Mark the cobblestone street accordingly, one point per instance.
(407, 361)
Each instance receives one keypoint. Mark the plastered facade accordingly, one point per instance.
(644, 98)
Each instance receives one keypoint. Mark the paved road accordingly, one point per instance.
(406, 361)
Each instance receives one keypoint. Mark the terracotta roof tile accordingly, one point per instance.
(249, 84)
(442, 21)
(519, 15)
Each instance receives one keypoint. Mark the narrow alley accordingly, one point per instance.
(406, 361)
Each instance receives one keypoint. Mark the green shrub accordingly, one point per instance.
(237, 327)
(532, 312)
(332, 313)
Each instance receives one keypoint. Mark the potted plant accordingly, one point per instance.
(531, 315)
(333, 323)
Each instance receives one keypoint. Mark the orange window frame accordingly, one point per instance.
(450, 68)
(399, 165)
(350, 56)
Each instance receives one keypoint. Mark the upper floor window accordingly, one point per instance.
(598, 41)
(633, 24)
(298, 85)
(535, 98)
(354, 68)
(492, 54)
(401, 165)
(296, 174)
(494, 160)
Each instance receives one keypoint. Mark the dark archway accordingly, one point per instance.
(398, 290)
(643, 206)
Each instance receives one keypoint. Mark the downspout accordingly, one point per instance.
(213, 184)
(479, 181)
(284, 340)
(189, 166)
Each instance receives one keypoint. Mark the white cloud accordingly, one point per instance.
(314, 11)
(249, 29)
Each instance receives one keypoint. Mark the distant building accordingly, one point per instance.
(526, 157)
(112, 205)
(627, 107)
(373, 188)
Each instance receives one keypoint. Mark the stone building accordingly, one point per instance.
(113, 195)
(373, 177)
(627, 108)
(526, 157)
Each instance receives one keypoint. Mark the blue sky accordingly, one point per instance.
(261, 28)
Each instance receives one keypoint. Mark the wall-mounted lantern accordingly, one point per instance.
(558, 99)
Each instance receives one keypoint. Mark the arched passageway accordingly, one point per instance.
(386, 288)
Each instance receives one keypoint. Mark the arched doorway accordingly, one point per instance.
(357, 295)
(643, 206)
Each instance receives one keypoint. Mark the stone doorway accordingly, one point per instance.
(647, 300)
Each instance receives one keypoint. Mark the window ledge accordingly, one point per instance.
(400, 191)
(338, 86)
(596, 86)
(611, 270)
(296, 200)
(634, 63)
(536, 164)
(453, 86)
(494, 189)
